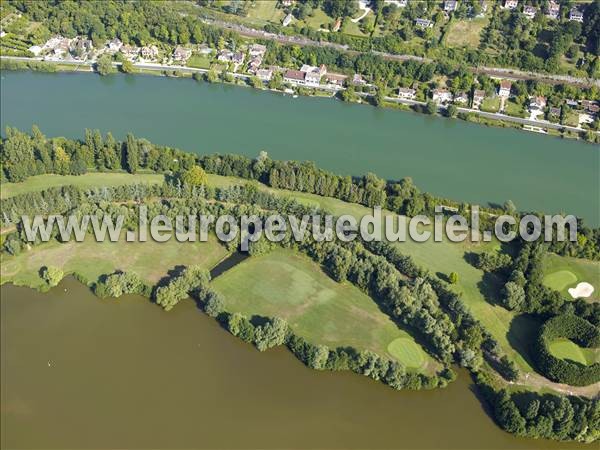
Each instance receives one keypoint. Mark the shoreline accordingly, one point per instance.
(465, 114)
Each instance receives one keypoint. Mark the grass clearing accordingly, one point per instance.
(466, 33)
(265, 10)
(563, 272)
(490, 104)
(199, 61)
(89, 259)
(567, 349)
(291, 286)
(92, 179)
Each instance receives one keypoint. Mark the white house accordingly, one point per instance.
(504, 90)
(423, 23)
(181, 54)
(478, 97)
(511, 4)
(294, 77)
(358, 80)
(130, 52)
(529, 11)
(450, 5)
(537, 103)
(335, 80)
(257, 50)
(264, 74)
(398, 3)
(553, 10)
(406, 93)
(576, 15)
(461, 98)
(114, 45)
(287, 20)
(149, 52)
(442, 95)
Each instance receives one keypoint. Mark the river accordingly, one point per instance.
(80, 372)
(450, 158)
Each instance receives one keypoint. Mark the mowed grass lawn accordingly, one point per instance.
(566, 349)
(289, 285)
(478, 292)
(563, 272)
(41, 182)
(89, 259)
(466, 33)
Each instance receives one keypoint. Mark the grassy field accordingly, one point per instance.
(199, 61)
(566, 349)
(265, 10)
(513, 109)
(41, 182)
(562, 273)
(466, 33)
(90, 259)
(478, 291)
(490, 104)
(293, 287)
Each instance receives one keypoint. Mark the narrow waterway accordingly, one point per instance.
(447, 157)
(80, 372)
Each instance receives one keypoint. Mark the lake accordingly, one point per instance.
(450, 158)
(81, 372)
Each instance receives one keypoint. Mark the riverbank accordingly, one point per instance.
(467, 114)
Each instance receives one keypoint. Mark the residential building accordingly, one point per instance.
(321, 70)
(35, 50)
(337, 25)
(287, 20)
(442, 95)
(358, 80)
(450, 5)
(478, 97)
(572, 103)
(461, 98)
(287, 3)
(590, 106)
(312, 78)
(504, 90)
(264, 74)
(149, 52)
(554, 112)
(254, 64)
(529, 11)
(511, 4)
(204, 49)
(130, 52)
(537, 103)
(114, 45)
(181, 54)
(80, 47)
(406, 93)
(238, 58)
(257, 50)
(423, 23)
(225, 56)
(294, 77)
(335, 79)
(576, 14)
(398, 3)
(553, 10)
(57, 46)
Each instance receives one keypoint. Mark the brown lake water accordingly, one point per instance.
(80, 372)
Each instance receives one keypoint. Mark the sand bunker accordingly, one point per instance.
(583, 290)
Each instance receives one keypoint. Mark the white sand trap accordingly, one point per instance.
(582, 290)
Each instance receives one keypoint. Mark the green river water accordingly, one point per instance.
(451, 158)
(79, 372)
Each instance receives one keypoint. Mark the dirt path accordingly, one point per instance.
(538, 381)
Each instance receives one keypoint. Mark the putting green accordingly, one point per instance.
(407, 352)
(566, 349)
(560, 280)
